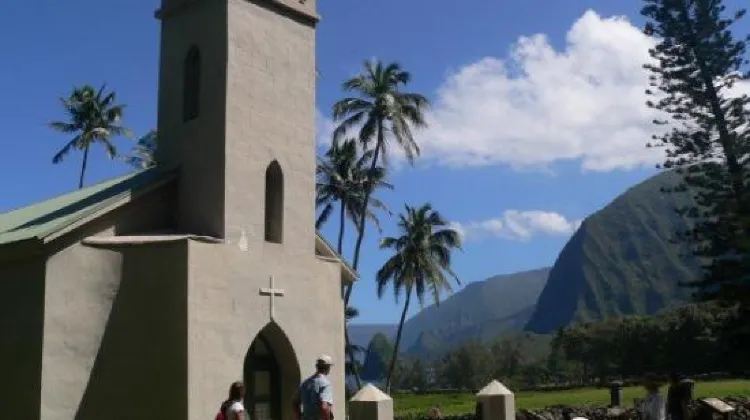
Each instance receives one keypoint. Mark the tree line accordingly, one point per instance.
(694, 340)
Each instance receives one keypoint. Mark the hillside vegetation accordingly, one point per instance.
(621, 261)
(481, 311)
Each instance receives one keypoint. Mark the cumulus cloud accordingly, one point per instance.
(518, 225)
(324, 127)
(540, 105)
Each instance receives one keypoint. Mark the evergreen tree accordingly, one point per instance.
(698, 64)
(416, 376)
(379, 353)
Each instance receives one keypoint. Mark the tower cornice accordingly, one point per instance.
(294, 9)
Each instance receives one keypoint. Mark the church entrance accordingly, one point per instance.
(270, 378)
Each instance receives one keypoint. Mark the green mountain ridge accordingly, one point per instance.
(432, 344)
(482, 310)
(620, 261)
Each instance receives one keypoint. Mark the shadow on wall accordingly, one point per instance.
(22, 326)
(141, 367)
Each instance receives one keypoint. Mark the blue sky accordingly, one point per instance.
(537, 115)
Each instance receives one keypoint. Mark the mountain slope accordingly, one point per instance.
(620, 261)
(361, 334)
(482, 310)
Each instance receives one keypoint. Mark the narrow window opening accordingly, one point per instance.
(274, 203)
(191, 85)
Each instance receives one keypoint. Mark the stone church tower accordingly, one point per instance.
(243, 115)
(145, 296)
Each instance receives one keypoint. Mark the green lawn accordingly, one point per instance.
(464, 403)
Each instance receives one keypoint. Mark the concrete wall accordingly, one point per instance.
(270, 114)
(82, 287)
(82, 284)
(257, 104)
(21, 323)
(226, 312)
(140, 367)
(197, 145)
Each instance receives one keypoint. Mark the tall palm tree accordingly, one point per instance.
(342, 177)
(421, 262)
(93, 117)
(382, 112)
(142, 156)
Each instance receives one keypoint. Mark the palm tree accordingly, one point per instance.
(420, 262)
(142, 156)
(93, 118)
(381, 112)
(342, 176)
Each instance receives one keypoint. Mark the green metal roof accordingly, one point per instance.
(47, 217)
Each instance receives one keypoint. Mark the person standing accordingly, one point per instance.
(315, 395)
(677, 398)
(233, 408)
(654, 405)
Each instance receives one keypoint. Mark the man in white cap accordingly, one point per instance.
(315, 395)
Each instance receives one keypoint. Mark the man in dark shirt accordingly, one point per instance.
(677, 398)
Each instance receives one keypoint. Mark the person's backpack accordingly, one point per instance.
(221, 415)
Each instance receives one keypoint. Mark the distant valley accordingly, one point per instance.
(483, 310)
(619, 262)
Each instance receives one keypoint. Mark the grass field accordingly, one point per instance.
(464, 403)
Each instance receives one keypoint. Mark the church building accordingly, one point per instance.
(146, 296)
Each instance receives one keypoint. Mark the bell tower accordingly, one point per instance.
(237, 114)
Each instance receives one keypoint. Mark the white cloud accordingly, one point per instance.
(324, 127)
(540, 105)
(518, 225)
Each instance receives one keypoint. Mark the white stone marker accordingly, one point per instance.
(497, 402)
(370, 403)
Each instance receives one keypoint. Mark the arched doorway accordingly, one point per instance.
(271, 374)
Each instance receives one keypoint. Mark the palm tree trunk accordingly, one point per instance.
(83, 166)
(397, 343)
(340, 244)
(368, 192)
(361, 234)
(347, 343)
(342, 225)
(352, 357)
(363, 216)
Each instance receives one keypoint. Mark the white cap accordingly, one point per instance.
(324, 360)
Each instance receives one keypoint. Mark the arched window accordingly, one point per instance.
(274, 203)
(191, 84)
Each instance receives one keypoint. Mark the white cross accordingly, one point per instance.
(270, 291)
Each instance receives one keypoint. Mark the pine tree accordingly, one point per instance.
(697, 66)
